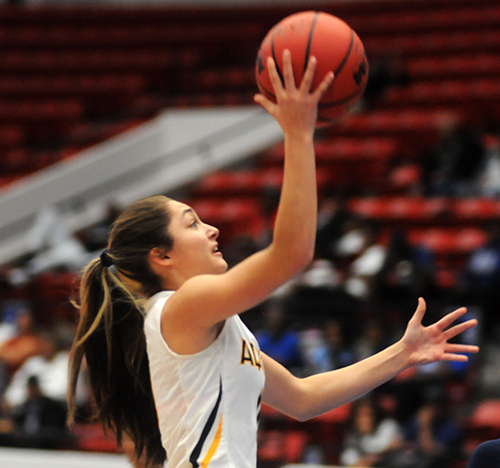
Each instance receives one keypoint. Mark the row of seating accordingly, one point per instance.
(107, 61)
(388, 12)
(427, 211)
(454, 67)
(424, 20)
(120, 86)
(138, 60)
(435, 43)
(210, 37)
(39, 111)
(453, 216)
(461, 92)
(158, 35)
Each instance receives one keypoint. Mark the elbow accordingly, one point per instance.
(302, 258)
(297, 265)
(303, 408)
(292, 262)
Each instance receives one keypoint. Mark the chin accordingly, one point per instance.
(222, 267)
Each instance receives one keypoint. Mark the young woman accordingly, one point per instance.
(170, 363)
(374, 437)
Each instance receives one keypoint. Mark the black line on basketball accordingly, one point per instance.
(346, 56)
(267, 93)
(309, 40)
(276, 62)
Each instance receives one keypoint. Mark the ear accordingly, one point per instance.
(158, 256)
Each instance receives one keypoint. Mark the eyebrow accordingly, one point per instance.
(188, 211)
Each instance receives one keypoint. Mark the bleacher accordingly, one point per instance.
(71, 77)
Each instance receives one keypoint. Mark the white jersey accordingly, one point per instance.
(208, 403)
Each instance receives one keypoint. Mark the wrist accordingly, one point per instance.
(305, 137)
(404, 354)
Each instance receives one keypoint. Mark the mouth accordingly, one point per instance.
(215, 250)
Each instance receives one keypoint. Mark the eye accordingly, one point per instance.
(194, 223)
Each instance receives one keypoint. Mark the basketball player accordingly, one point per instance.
(486, 455)
(171, 364)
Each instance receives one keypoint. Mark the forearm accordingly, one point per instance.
(323, 392)
(295, 226)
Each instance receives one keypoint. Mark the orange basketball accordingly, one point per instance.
(336, 47)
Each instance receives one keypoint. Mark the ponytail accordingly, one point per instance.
(110, 334)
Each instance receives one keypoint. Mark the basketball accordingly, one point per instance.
(336, 47)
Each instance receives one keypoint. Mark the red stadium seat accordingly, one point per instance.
(400, 211)
(475, 210)
(449, 242)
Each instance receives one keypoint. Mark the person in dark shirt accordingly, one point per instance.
(40, 422)
(485, 455)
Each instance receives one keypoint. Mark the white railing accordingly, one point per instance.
(163, 155)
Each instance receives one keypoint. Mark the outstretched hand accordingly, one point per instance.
(430, 344)
(296, 108)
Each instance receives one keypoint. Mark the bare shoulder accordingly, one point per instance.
(184, 326)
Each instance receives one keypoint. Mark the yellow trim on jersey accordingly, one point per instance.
(213, 447)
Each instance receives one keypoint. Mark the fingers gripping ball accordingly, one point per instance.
(336, 47)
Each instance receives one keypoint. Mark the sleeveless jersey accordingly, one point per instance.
(208, 403)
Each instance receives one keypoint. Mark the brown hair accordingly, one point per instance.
(110, 334)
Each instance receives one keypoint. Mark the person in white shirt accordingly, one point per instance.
(186, 383)
(51, 369)
(371, 437)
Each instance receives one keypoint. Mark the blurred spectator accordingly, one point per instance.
(407, 271)
(240, 248)
(38, 423)
(332, 216)
(481, 277)
(372, 340)
(51, 369)
(277, 340)
(364, 269)
(490, 177)
(355, 236)
(7, 331)
(269, 205)
(386, 71)
(8, 323)
(95, 237)
(486, 454)
(51, 246)
(454, 165)
(326, 349)
(435, 433)
(373, 438)
(321, 273)
(24, 344)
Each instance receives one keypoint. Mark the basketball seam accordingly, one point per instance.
(275, 61)
(309, 40)
(346, 56)
(265, 89)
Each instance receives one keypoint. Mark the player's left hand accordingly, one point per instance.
(430, 344)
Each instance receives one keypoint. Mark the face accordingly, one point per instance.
(195, 249)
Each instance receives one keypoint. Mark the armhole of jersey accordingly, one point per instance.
(157, 323)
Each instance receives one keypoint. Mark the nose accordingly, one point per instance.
(212, 231)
